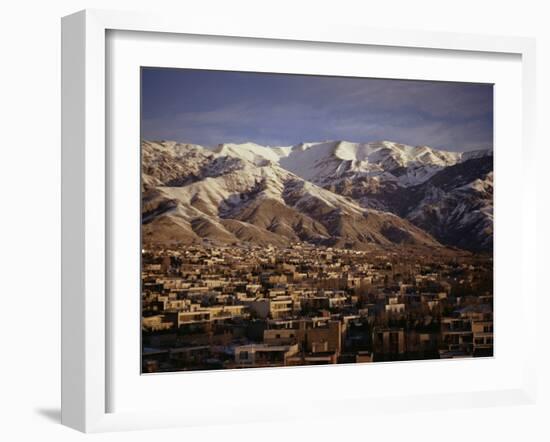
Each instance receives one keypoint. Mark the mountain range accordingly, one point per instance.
(337, 193)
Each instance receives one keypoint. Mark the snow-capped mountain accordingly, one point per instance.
(231, 195)
(254, 153)
(327, 162)
(456, 204)
(334, 193)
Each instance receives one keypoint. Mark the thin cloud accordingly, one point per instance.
(208, 108)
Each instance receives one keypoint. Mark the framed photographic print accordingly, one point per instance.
(281, 252)
(328, 212)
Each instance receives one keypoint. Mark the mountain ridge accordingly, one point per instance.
(264, 195)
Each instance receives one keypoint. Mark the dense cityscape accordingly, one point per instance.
(218, 307)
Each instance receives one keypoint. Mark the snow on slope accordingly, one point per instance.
(326, 162)
(481, 153)
(254, 200)
(252, 152)
(323, 163)
(462, 214)
(319, 191)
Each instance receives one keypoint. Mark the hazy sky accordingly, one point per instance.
(212, 107)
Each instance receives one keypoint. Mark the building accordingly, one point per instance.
(275, 308)
(482, 333)
(456, 335)
(157, 323)
(388, 342)
(264, 355)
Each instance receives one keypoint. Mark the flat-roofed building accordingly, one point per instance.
(284, 336)
(456, 334)
(482, 333)
(263, 355)
(190, 317)
(157, 322)
(272, 308)
(388, 341)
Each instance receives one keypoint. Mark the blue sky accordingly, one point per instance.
(212, 107)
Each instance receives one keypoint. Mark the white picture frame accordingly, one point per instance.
(85, 195)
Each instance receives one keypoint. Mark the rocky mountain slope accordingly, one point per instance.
(328, 162)
(333, 193)
(456, 205)
(233, 195)
(448, 194)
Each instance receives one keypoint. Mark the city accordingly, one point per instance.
(209, 307)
